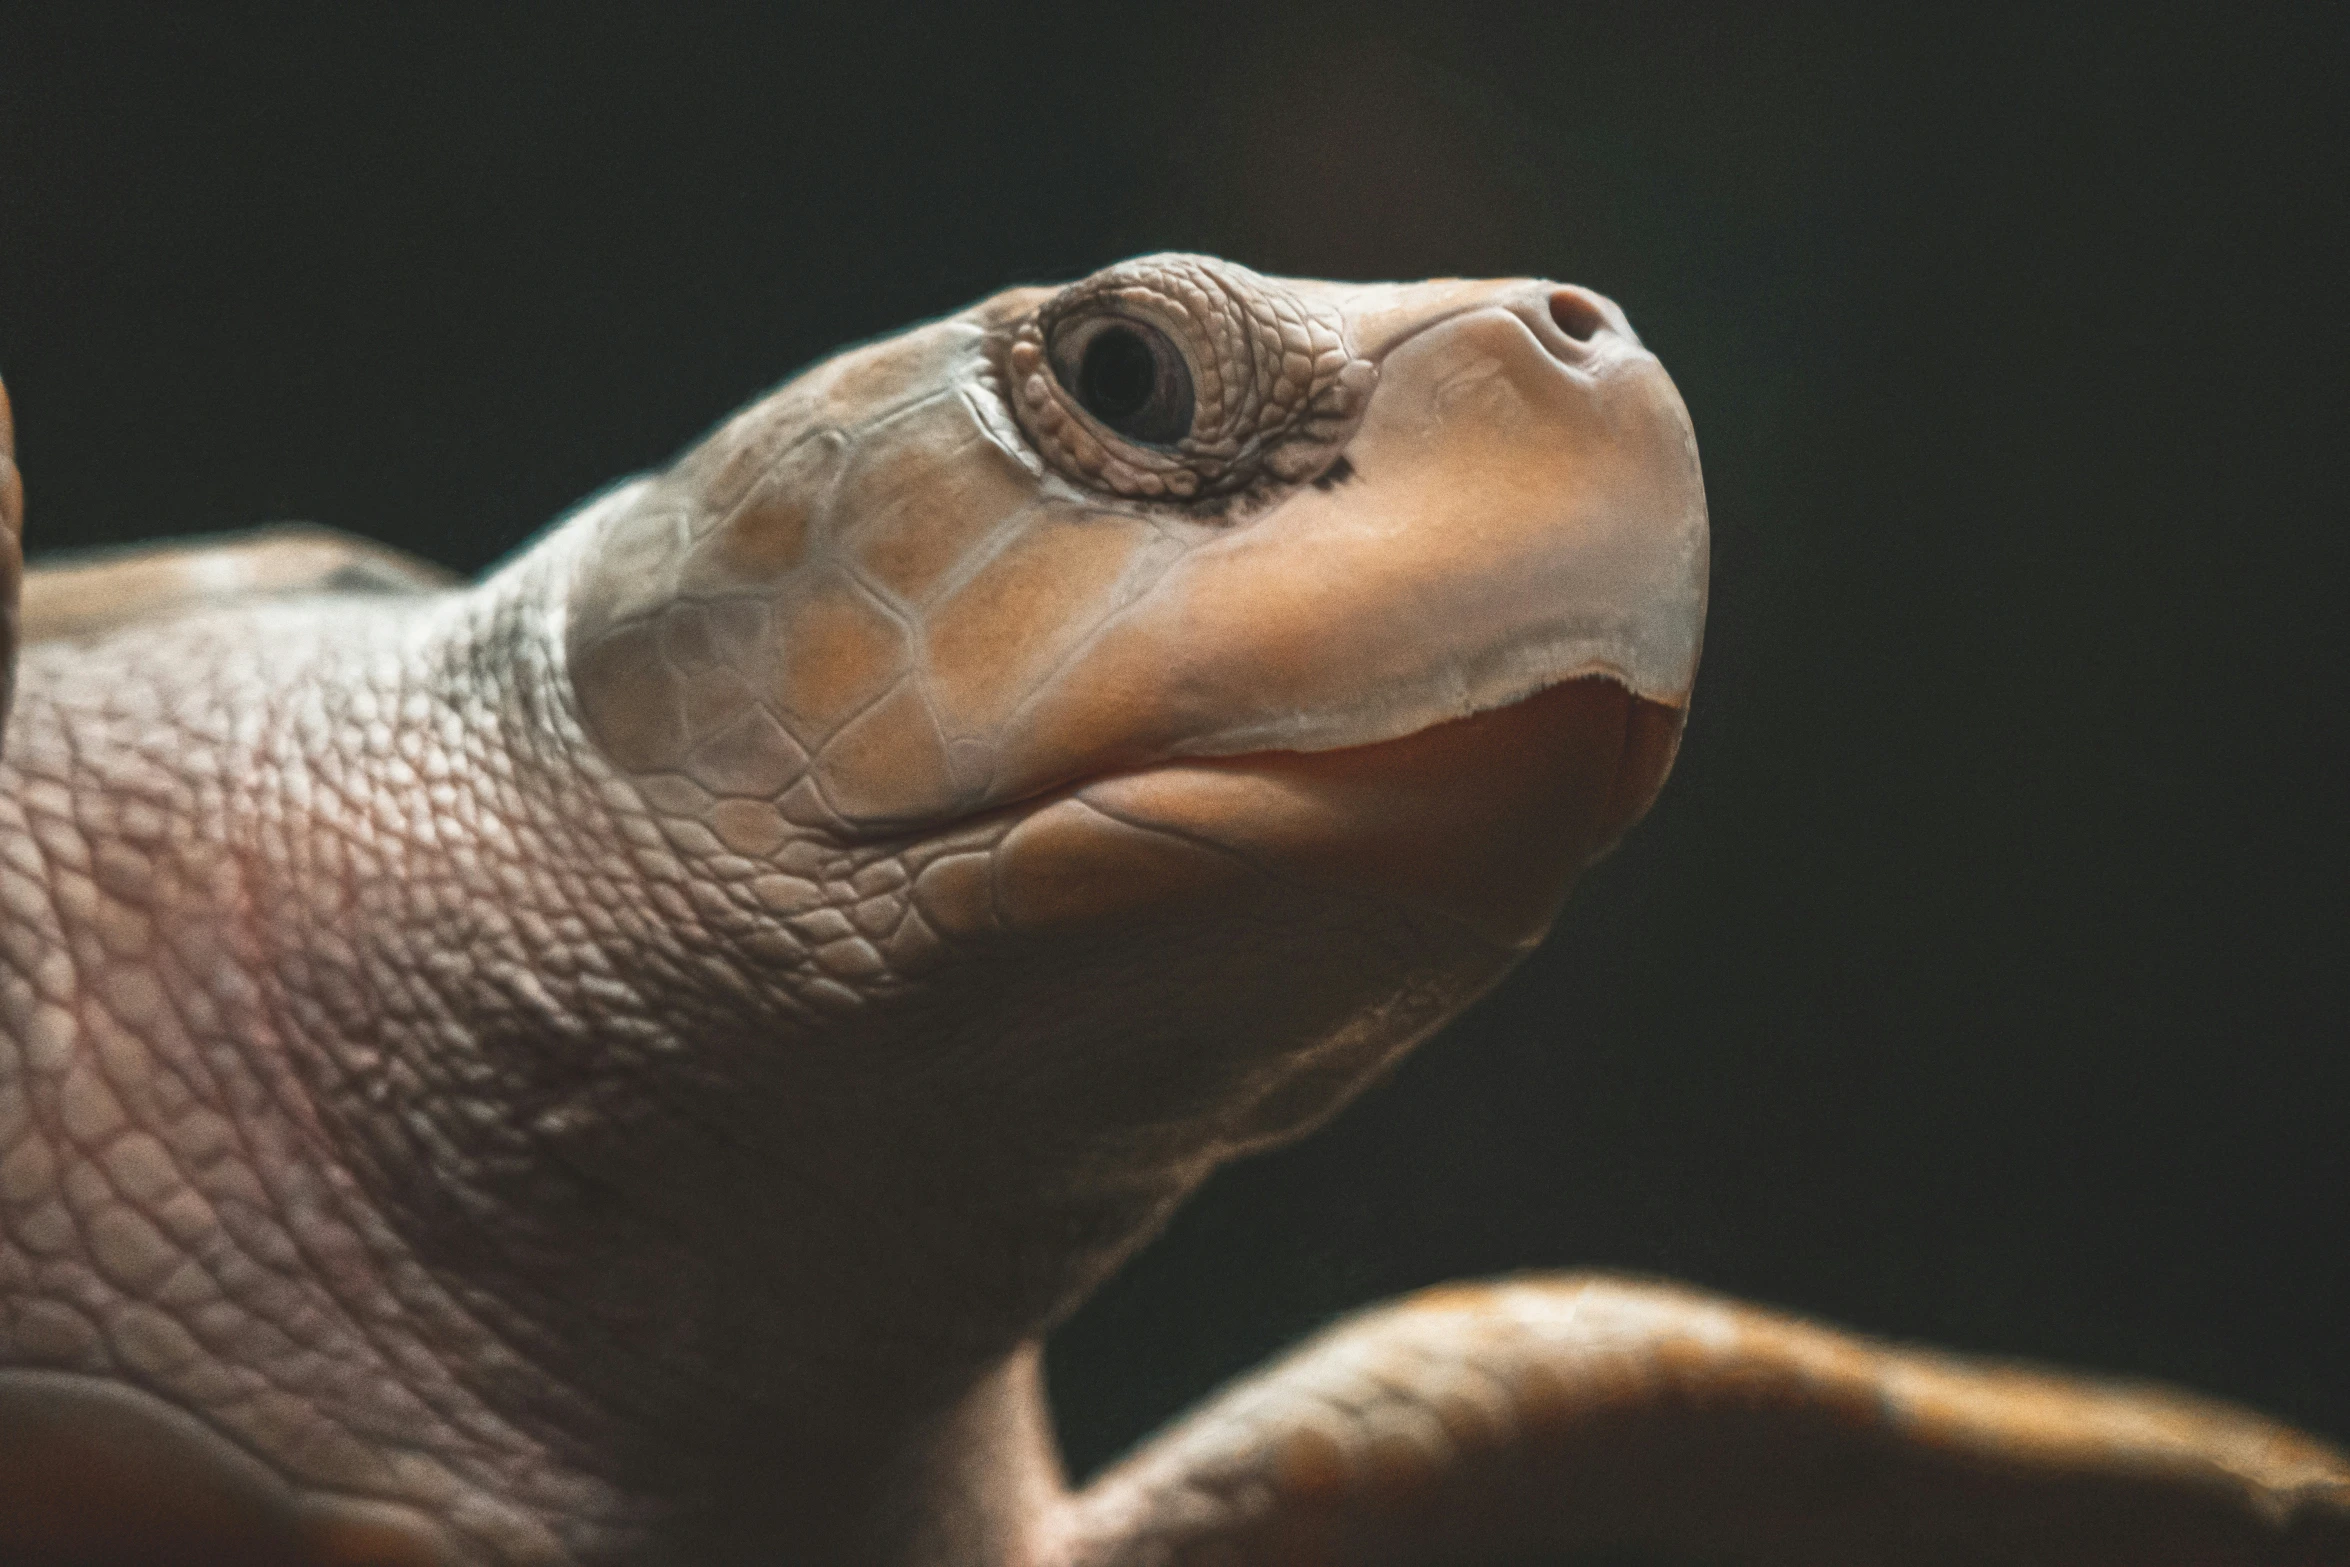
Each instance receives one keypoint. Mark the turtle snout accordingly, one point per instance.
(1577, 326)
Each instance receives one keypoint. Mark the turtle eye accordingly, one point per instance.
(1180, 379)
(1127, 375)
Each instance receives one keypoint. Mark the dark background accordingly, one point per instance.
(1981, 975)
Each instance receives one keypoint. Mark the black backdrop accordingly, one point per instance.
(1980, 976)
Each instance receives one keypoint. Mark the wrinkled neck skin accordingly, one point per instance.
(527, 1108)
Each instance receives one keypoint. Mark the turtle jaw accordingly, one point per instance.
(1486, 820)
(1297, 920)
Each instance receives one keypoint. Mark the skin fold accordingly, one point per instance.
(626, 1061)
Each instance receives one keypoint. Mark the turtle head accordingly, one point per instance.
(1174, 511)
(1117, 720)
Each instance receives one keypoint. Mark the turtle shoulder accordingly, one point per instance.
(11, 552)
(91, 594)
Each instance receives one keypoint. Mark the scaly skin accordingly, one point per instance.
(625, 1062)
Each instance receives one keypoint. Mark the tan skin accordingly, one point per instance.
(627, 1060)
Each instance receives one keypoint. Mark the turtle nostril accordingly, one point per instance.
(1577, 314)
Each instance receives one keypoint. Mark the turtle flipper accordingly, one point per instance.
(11, 555)
(1588, 1419)
(90, 595)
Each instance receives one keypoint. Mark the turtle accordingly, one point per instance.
(626, 1060)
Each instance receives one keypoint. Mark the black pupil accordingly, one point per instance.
(1119, 374)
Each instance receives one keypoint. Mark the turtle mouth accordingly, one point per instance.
(1487, 818)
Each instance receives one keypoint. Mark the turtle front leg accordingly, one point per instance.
(1569, 1417)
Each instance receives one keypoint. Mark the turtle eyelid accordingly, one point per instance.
(1275, 385)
